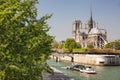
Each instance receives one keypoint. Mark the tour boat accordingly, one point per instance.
(88, 70)
(82, 68)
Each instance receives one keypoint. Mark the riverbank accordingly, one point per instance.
(103, 72)
(91, 59)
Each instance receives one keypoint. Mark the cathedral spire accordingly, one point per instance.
(91, 19)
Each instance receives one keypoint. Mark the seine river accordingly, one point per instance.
(103, 72)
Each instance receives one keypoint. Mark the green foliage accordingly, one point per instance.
(2, 75)
(80, 50)
(55, 44)
(61, 46)
(90, 46)
(113, 45)
(77, 45)
(70, 44)
(24, 42)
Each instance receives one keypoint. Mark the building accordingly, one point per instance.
(90, 34)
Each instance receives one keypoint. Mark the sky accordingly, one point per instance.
(105, 12)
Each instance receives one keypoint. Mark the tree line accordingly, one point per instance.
(71, 45)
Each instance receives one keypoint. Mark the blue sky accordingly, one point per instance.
(105, 12)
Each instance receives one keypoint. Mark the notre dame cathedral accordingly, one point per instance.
(90, 34)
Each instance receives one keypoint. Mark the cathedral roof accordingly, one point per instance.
(84, 31)
(96, 30)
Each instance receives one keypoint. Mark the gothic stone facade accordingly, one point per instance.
(90, 34)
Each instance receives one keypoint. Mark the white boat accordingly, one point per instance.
(88, 70)
(82, 68)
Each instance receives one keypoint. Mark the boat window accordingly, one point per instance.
(101, 62)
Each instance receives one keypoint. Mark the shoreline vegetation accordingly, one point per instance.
(89, 51)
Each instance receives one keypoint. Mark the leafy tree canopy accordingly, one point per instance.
(61, 45)
(113, 45)
(70, 44)
(90, 46)
(55, 44)
(24, 42)
(77, 45)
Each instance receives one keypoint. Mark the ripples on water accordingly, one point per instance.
(103, 72)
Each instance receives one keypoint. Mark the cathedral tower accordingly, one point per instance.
(76, 26)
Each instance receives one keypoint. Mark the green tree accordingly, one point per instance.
(113, 45)
(77, 45)
(90, 46)
(61, 45)
(24, 42)
(55, 44)
(70, 44)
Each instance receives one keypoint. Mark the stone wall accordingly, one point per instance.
(92, 59)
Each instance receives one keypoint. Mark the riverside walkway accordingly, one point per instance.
(58, 75)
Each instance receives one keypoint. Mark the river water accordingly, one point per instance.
(103, 72)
